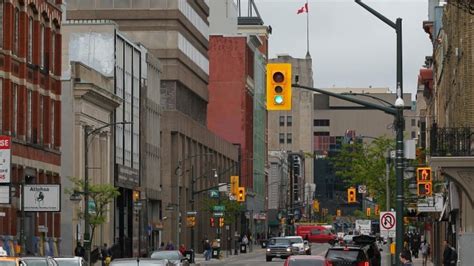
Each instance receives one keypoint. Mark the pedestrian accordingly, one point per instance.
(182, 249)
(207, 250)
(162, 246)
(405, 260)
(170, 246)
(79, 250)
(450, 256)
(406, 251)
(425, 252)
(105, 254)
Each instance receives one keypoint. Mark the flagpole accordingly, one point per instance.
(307, 28)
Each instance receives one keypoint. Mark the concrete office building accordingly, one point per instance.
(291, 131)
(336, 121)
(176, 32)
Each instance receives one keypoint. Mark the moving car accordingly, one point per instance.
(304, 261)
(173, 256)
(298, 243)
(315, 233)
(139, 262)
(363, 251)
(280, 247)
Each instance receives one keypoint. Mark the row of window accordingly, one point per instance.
(289, 138)
(326, 122)
(289, 120)
(18, 118)
(31, 31)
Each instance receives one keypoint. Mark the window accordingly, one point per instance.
(16, 29)
(51, 108)
(289, 121)
(1, 23)
(41, 118)
(15, 108)
(321, 133)
(30, 40)
(41, 48)
(282, 120)
(28, 116)
(413, 135)
(321, 122)
(413, 122)
(282, 138)
(289, 137)
(51, 49)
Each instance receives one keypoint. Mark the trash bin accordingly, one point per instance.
(189, 254)
(216, 252)
(243, 248)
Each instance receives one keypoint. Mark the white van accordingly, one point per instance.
(297, 242)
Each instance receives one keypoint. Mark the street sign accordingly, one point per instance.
(42, 229)
(362, 189)
(214, 193)
(231, 196)
(218, 208)
(191, 213)
(218, 214)
(430, 204)
(43, 198)
(388, 224)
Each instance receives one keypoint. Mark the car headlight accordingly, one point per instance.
(288, 249)
(269, 250)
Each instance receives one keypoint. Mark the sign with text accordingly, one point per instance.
(5, 159)
(388, 222)
(42, 198)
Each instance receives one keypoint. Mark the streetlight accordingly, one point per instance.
(87, 134)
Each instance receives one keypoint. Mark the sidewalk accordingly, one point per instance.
(419, 262)
(199, 258)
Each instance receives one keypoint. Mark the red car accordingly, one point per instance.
(302, 260)
(315, 233)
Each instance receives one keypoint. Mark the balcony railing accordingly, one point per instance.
(451, 141)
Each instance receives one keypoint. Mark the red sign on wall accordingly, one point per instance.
(5, 159)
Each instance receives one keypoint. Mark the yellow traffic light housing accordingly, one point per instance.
(368, 212)
(221, 221)
(424, 181)
(241, 194)
(316, 206)
(279, 86)
(191, 221)
(136, 195)
(234, 185)
(351, 195)
(377, 209)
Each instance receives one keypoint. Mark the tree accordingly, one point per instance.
(364, 164)
(101, 195)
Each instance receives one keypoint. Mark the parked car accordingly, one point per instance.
(298, 243)
(363, 251)
(140, 262)
(11, 261)
(39, 261)
(70, 261)
(280, 247)
(315, 233)
(173, 256)
(305, 261)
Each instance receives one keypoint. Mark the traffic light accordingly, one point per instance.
(136, 195)
(338, 213)
(351, 195)
(212, 222)
(279, 86)
(368, 212)
(191, 221)
(377, 209)
(316, 206)
(221, 221)
(241, 194)
(424, 181)
(234, 185)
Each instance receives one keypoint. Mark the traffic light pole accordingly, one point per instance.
(397, 112)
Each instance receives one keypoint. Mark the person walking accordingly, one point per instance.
(425, 252)
(405, 259)
(170, 246)
(105, 254)
(450, 256)
(207, 250)
(79, 251)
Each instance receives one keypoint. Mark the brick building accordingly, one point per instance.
(30, 107)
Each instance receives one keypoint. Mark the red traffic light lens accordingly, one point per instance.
(278, 77)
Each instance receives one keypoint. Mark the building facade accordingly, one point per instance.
(448, 91)
(30, 89)
(176, 32)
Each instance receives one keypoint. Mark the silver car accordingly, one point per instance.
(139, 262)
(39, 261)
(173, 256)
(70, 261)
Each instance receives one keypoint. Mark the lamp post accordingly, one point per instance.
(87, 134)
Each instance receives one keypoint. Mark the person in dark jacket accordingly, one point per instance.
(79, 251)
(450, 255)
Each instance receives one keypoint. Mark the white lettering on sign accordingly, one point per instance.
(5, 143)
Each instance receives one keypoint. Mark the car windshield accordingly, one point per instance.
(345, 255)
(306, 262)
(296, 240)
(36, 262)
(279, 241)
(7, 263)
(67, 262)
(169, 255)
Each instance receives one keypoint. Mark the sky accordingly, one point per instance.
(349, 46)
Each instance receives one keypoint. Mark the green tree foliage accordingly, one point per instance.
(101, 195)
(365, 164)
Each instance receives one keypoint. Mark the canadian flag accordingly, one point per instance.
(303, 9)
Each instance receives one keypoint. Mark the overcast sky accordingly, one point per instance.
(349, 46)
